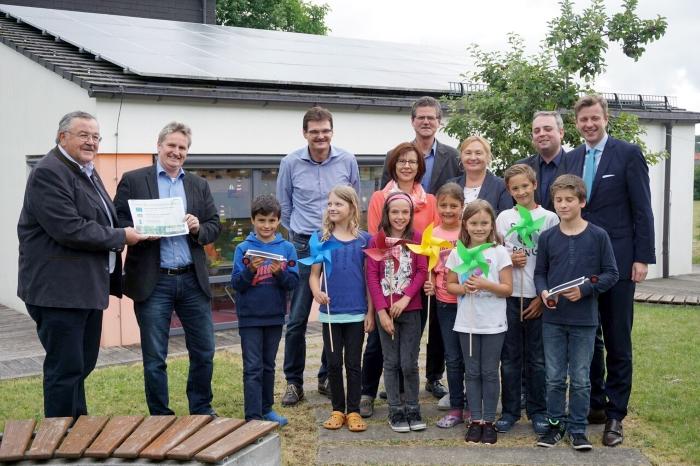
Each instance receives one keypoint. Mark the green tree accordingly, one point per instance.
(277, 15)
(566, 65)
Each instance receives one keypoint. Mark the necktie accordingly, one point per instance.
(589, 171)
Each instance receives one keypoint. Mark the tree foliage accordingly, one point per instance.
(570, 58)
(277, 15)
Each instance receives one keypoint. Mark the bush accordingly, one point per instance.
(696, 187)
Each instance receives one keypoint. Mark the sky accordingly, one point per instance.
(670, 66)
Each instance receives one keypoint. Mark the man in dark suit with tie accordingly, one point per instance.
(69, 262)
(547, 134)
(170, 274)
(619, 201)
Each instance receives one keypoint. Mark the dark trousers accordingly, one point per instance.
(453, 354)
(295, 336)
(435, 351)
(522, 353)
(259, 346)
(347, 348)
(613, 352)
(372, 365)
(71, 339)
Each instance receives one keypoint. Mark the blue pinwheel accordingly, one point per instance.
(320, 253)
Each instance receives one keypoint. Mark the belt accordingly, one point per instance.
(301, 236)
(177, 270)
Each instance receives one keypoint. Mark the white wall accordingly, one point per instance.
(32, 100)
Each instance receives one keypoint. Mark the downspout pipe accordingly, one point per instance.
(667, 201)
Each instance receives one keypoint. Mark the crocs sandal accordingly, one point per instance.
(449, 420)
(356, 423)
(336, 421)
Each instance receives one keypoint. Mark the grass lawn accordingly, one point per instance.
(664, 418)
(696, 232)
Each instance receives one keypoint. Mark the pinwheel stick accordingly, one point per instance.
(471, 305)
(391, 296)
(427, 321)
(328, 308)
(522, 279)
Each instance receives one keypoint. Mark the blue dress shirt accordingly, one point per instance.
(174, 250)
(429, 163)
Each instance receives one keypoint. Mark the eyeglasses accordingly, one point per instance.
(410, 163)
(318, 132)
(85, 137)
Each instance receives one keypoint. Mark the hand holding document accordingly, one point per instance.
(159, 217)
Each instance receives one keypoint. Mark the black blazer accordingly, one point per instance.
(493, 190)
(65, 238)
(446, 166)
(534, 162)
(620, 201)
(142, 266)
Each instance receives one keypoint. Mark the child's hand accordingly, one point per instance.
(321, 298)
(572, 294)
(545, 297)
(429, 288)
(476, 283)
(386, 322)
(398, 307)
(255, 263)
(275, 267)
(518, 258)
(369, 323)
(534, 310)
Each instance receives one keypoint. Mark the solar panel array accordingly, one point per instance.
(172, 49)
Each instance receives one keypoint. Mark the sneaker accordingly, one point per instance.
(444, 403)
(504, 424)
(436, 388)
(276, 417)
(324, 388)
(451, 419)
(488, 433)
(292, 395)
(474, 432)
(540, 425)
(553, 436)
(366, 406)
(415, 421)
(580, 442)
(382, 395)
(398, 422)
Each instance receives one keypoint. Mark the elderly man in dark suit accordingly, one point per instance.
(619, 201)
(170, 274)
(69, 260)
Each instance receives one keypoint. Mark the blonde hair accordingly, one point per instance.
(480, 140)
(347, 194)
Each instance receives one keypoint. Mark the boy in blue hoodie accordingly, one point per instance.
(261, 286)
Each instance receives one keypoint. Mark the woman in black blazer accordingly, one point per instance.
(477, 181)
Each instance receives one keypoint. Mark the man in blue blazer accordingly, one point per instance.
(69, 260)
(170, 274)
(619, 201)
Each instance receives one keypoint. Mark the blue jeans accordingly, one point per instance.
(568, 349)
(481, 368)
(522, 353)
(295, 337)
(182, 294)
(259, 345)
(446, 314)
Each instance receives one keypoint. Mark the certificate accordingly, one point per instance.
(159, 217)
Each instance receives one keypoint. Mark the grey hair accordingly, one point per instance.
(67, 120)
(556, 115)
(427, 101)
(175, 127)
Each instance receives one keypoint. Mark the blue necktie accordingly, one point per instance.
(589, 172)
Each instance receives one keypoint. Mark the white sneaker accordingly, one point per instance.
(444, 403)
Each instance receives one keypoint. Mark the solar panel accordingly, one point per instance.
(172, 49)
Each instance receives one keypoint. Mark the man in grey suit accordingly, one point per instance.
(170, 274)
(69, 260)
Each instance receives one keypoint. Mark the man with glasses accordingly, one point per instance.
(305, 178)
(69, 261)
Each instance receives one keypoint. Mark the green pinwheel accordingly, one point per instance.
(472, 259)
(526, 226)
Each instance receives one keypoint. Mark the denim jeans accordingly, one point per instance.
(182, 294)
(568, 349)
(401, 352)
(347, 350)
(522, 355)
(481, 370)
(446, 314)
(295, 337)
(71, 339)
(259, 346)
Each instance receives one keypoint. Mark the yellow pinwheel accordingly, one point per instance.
(430, 247)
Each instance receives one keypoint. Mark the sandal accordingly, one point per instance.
(450, 420)
(356, 423)
(336, 421)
